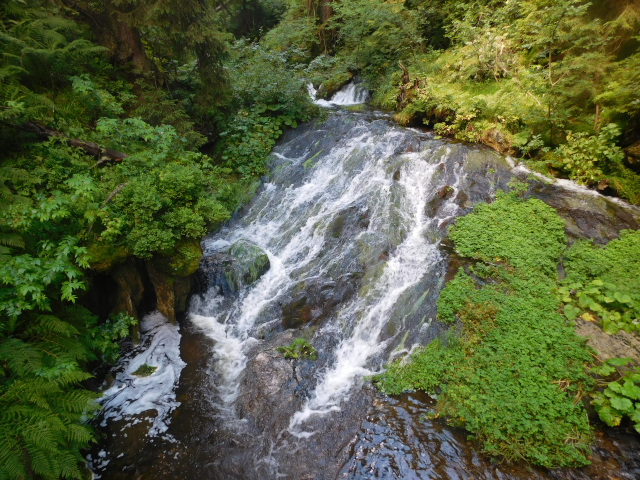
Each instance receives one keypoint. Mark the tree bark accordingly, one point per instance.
(326, 10)
(113, 32)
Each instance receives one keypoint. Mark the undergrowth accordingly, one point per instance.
(513, 373)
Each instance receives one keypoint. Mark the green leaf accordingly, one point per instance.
(608, 416)
(618, 362)
(630, 390)
(623, 405)
(571, 312)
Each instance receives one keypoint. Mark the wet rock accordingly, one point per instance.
(462, 199)
(241, 265)
(495, 139)
(163, 286)
(250, 262)
(315, 299)
(349, 220)
(269, 385)
(588, 215)
(396, 175)
(331, 86)
(181, 289)
(296, 313)
(433, 205)
(130, 288)
(621, 344)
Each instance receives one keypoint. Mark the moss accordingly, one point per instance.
(332, 85)
(144, 370)
(361, 107)
(103, 257)
(182, 260)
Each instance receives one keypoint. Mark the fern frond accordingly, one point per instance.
(14, 240)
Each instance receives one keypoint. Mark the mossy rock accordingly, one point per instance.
(250, 262)
(182, 260)
(332, 85)
(361, 107)
(103, 257)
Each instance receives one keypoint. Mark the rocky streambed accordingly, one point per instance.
(343, 246)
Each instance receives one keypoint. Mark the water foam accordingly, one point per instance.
(130, 396)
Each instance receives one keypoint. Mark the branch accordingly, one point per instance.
(114, 193)
(107, 200)
(89, 147)
(532, 96)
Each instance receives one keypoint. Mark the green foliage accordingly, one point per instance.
(621, 397)
(43, 409)
(270, 98)
(515, 371)
(136, 94)
(602, 282)
(145, 370)
(105, 335)
(590, 159)
(524, 76)
(298, 349)
(526, 235)
(425, 369)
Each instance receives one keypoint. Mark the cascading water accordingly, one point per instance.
(351, 219)
(352, 94)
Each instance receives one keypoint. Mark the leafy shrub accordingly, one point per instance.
(588, 157)
(602, 282)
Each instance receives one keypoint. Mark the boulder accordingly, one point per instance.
(495, 139)
(241, 265)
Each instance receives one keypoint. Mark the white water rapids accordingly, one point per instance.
(351, 218)
(290, 220)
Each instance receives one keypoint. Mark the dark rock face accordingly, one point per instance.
(163, 286)
(130, 288)
(239, 266)
(315, 299)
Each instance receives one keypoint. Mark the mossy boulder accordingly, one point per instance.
(180, 261)
(103, 257)
(249, 263)
(332, 85)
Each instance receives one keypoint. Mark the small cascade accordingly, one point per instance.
(351, 94)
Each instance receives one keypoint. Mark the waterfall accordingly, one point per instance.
(351, 94)
(351, 218)
(290, 220)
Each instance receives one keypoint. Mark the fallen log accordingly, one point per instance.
(104, 154)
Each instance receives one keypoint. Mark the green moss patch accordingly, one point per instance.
(144, 370)
(514, 372)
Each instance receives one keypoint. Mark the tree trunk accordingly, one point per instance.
(112, 31)
(326, 10)
(105, 154)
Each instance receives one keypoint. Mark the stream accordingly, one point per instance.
(351, 218)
